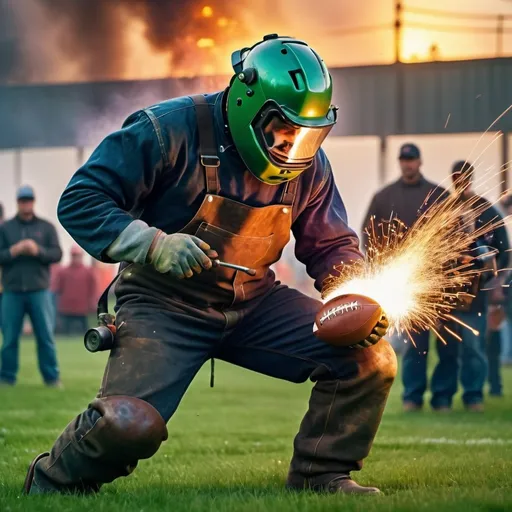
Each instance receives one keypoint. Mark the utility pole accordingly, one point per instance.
(499, 36)
(398, 31)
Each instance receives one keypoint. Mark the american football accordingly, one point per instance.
(347, 319)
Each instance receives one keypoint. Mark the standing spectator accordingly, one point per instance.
(75, 287)
(28, 245)
(498, 297)
(505, 207)
(1, 222)
(489, 252)
(403, 199)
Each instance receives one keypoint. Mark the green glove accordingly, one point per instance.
(180, 255)
(378, 332)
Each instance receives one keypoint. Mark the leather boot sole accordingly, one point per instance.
(30, 473)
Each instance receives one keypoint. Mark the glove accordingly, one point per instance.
(180, 255)
(377, 333)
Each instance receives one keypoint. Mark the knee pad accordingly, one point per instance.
(128, 428)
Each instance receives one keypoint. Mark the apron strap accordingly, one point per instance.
(207, 147)
(289, 192)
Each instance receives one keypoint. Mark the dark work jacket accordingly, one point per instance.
(28, 273)
(401, 200)
(130, 175)
(497, 239)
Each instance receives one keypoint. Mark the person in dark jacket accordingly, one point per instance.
(28, 245)
(186, 183)
(404, 199)
(490, 251)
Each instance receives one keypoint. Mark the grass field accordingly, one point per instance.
(229, 448)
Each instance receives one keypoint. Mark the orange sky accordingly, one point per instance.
(331, 17)
(322, 23)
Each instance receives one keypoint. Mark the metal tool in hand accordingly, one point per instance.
(247, 270)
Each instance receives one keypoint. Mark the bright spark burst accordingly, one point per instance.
(416, 275)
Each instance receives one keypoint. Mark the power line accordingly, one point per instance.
(453, 14)
(359, 30)
(453, 28)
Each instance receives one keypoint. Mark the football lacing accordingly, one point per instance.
(341, 310)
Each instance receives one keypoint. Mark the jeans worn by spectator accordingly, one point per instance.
(38, 306)
(494, 345)
(467, 355)
(414, 368)
(74, 324)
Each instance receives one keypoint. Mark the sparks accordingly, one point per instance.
(417, 275)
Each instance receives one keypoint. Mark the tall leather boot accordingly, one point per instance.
(337, 431)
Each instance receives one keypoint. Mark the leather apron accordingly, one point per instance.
(243, 235)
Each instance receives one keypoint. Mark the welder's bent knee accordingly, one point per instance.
(128, 429)
(382, 360)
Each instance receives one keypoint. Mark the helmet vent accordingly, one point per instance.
(298, 79)
(284, 51)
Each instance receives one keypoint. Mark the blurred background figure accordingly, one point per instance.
(76, 291)
(505, 207)
(28, 246)
(404, 198)
(496, 316)
(489, 254)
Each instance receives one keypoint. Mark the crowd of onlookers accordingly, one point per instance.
(61, 299)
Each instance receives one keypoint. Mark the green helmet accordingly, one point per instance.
(279, 107)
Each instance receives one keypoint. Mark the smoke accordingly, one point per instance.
(94, 40)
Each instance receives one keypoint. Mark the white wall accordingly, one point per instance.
(355, 164)
(8, 182)
(439, 152)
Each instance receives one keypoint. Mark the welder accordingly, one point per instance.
(223, 176)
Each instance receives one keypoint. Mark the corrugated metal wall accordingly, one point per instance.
(376, 101)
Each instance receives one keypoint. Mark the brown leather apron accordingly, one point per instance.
(243, 235)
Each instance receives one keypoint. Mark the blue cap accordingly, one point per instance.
(409, 152)
(25, 192)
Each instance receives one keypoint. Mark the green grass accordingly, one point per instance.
(229, 448)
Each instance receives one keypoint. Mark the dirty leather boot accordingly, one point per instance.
(338, 429)
(340, 484)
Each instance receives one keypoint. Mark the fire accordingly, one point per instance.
(205, 42)
(207, 11)
(414, 273)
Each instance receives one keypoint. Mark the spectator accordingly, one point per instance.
(28, 245)
(403, 199)
(498, 297)
(1, 222)
(490, 251)
(505, 206)
(75, 287)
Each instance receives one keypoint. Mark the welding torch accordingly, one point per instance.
(247, 270)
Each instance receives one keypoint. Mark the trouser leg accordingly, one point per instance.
(13, 311)
(351, 385)
(156, 355)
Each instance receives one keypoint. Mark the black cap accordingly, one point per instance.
(409, 152)
(462, 167)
